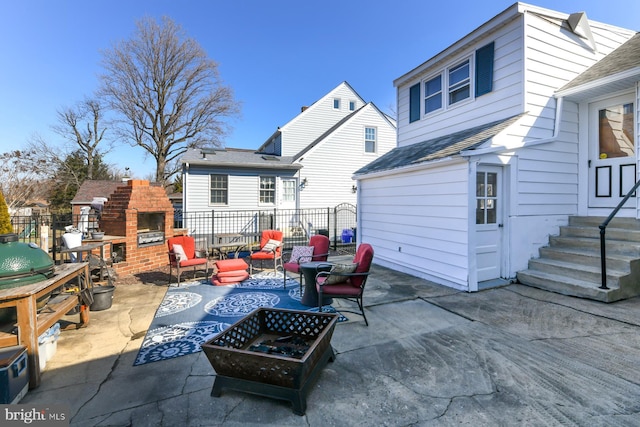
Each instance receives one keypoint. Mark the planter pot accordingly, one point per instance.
(102, 297)
(97, 235)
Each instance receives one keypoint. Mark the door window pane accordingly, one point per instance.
(615, 131)
(289, 190)
(486, 197)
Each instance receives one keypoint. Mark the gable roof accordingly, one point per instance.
(620, 68)
(339, 124)
(437, 148)
(237, 158)
(91, 188)
(307, 109)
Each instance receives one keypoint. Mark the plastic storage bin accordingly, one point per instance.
(14, 374)
(48, 344)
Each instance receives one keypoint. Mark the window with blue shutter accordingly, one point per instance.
(414, 103)
(484, 69)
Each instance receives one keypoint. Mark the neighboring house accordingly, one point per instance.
(307, 163)
(498, 146)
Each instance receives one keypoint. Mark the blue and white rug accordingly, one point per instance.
(194, 312)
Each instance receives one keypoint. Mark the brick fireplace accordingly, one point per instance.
(141, 215)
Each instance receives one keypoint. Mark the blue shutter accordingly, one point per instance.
(414, 103)
(484, 69)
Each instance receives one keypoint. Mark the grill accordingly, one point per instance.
(150, 238)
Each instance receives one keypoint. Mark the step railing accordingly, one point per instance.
(603, 230)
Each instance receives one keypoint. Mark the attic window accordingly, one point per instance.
(336, 103)
(271, 158)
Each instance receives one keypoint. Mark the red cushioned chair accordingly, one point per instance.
(267, 253)
(186, 257)
(320, 245)
(349, 286)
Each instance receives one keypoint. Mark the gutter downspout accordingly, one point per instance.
(526, 144)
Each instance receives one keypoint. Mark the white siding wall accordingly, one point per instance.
(319, 117)
(330, 166)
(504, 101)
(547, 177)
(244, 188)
(417, 222)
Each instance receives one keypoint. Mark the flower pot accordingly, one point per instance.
(97, 235)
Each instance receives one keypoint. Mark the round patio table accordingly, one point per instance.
(309, 271)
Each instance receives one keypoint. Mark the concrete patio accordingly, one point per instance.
(431, 356)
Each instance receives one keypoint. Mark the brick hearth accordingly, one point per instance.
(120, 218)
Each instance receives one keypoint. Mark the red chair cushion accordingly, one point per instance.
(262, 255)
(229, 280)
(233, 273)
(231, 265)
(293, 267)
(192, 262)
(340, 289)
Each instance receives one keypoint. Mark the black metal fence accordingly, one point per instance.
(297, 225)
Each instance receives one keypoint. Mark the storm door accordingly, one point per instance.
(612, 151)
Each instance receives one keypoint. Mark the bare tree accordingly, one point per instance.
(83, 126)
(167, 92)
(21, 174)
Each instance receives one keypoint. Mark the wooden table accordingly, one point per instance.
(88, 248)
(32, 324)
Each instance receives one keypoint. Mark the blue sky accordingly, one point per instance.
(277, 56)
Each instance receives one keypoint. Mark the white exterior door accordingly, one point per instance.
(489, 228)
(289, 194)
(612, 153)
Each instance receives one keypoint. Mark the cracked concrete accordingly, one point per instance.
(432, 356)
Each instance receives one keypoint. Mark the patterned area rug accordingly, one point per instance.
(194, 312)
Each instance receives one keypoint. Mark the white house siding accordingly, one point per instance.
(547, 176)
(417, 222)
(310, 124)
(244, 188)
(504, 101)
(338, 156)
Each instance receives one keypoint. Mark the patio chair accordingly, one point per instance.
(347, 280)
(319, 246)
(182, 253)
(270, 249)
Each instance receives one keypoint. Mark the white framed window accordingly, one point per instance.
(219, 189)
(352, 105)
(433, 94)
(268, 190)
(459, 80)
(336, 103)
(370, 140)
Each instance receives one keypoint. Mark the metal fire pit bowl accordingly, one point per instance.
(272, 375)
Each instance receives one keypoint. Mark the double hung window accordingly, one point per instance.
(219, 189)
(459, 83)
(268, 190)
(433, 94)
(369, 140)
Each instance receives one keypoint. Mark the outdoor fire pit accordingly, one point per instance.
(249, 355)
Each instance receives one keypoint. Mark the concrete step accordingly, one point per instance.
(571, 265)
(567, 285)
(621, 247)
(586, 257)
(587, 273)
(611, 233)
(595, 221)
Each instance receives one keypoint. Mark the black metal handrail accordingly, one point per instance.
(603, 227)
